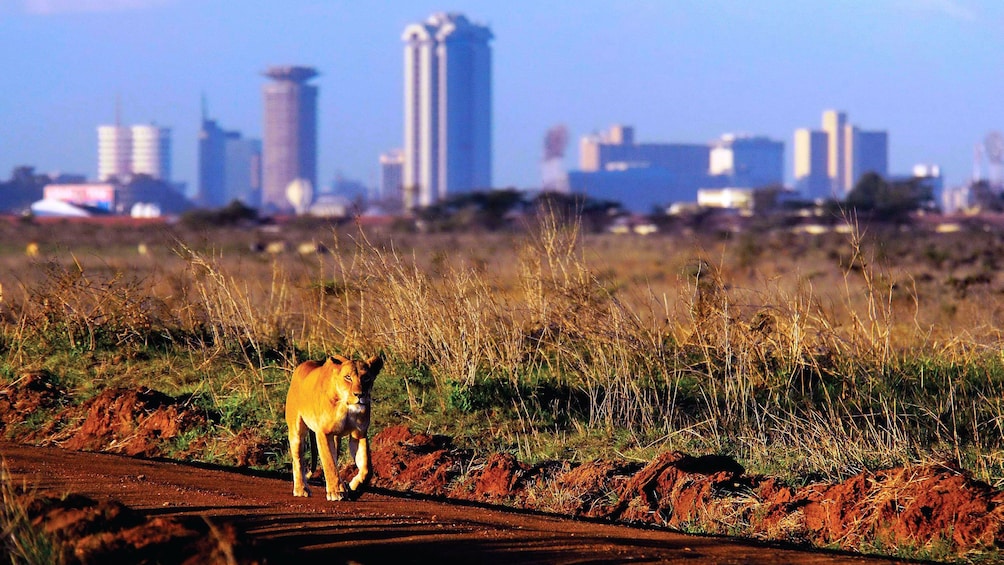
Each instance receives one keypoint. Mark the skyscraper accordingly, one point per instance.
(212, 140)
(229, 166)
(869, 153)
(151, 151)
(114, 152)
(134, 150)
(849, 153)
(242, 169)
(391, 174)
(447, 108)
(811, 157)
(834, 124)
(289, 151)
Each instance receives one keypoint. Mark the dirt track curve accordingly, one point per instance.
(377, 528)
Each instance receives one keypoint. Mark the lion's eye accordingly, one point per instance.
(348, 378)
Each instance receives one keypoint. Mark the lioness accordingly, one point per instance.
(332, 400)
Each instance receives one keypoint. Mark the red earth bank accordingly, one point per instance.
(915, 507)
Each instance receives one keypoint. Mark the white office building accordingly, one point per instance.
(124, 151)
(114, 152)
(447, 108)
(151, 151)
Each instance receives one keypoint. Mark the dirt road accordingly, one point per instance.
(381, 526)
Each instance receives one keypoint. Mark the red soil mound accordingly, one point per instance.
(418, 462)
(911, 507)
(86, 531)
(914, 506)
(676, 488)
(128, 421)
(592, 489)
(29, 394)
(498, 479)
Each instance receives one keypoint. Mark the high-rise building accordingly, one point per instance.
(134, 150)
(812, 178)
(869, 153)
(748, 161)
(834, 124)
(242, 169)
(114, 152)
(151, 151)
(289, 152)
(391, 174)
(212, 141)
(447, 108)
(229, 166)
(850, 153)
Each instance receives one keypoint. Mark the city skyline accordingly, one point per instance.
(682, 72)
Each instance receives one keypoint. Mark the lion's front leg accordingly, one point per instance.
(360, 450)
(328, 445)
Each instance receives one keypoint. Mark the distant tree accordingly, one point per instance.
(595, 215)
(481, 210)
(888, 201)
(496, 206)
(232, 214)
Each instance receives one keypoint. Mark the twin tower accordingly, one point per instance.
(447, 117)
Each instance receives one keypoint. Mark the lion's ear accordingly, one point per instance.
(375, 363)
(338, 359)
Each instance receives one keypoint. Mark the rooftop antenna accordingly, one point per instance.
(118, 109)
(204, 109)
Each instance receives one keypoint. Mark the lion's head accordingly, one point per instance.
(353, 380)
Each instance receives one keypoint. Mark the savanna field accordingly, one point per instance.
(806, 358)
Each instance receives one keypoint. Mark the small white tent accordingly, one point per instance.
(58, 208)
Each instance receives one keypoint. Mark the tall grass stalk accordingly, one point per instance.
(23, 542)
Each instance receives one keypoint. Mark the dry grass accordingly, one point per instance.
(796, 354)
(22, 541)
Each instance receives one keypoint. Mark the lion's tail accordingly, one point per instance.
(315, 472)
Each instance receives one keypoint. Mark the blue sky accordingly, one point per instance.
(927, 71)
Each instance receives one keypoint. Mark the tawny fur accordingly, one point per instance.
(333, 401)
